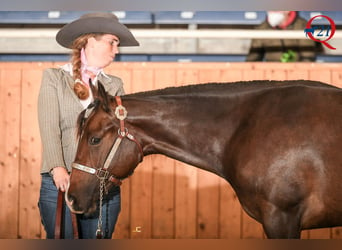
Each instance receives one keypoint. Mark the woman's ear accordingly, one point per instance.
(91, 42)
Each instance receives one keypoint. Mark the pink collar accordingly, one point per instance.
(88, 72)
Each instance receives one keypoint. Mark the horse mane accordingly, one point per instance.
(198, 89)
(221, 87)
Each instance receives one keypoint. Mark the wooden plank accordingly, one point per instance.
(185, 201)
(186, 77)
(10, 90)
(30, 226)
(163, 194)
(208, 205)
(122, 227)
(209, 75)
(233, 75)
(230, 212)
(305, 234)
(253, 75)
(317, 66)
(296, 74)
(123, 71)
(185, 180)
(250, 228)
(323, 75)
(141, 181)
(163, 198)
(277, 66)
(321, 233)
(336, 78)
(275, 74)
(336, 233)
(141, 201)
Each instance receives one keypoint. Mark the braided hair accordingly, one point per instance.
(80, 89)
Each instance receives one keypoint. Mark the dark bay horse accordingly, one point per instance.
(278, 144)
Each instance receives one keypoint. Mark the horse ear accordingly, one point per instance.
(101, 90)
(103, 95)
(93, 89)
(98, 92)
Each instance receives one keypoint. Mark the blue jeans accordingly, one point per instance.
(87, 225)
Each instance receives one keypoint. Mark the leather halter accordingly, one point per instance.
(103, 173)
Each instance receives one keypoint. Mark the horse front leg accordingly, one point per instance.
(279, 224)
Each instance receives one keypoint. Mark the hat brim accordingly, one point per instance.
(102, 25)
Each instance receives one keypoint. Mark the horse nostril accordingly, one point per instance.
(69, 199)
(72, 204)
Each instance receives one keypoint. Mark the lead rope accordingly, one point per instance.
(99, 232)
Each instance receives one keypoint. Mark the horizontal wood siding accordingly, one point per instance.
(164, 198)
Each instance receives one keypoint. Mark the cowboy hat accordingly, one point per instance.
(103, 23)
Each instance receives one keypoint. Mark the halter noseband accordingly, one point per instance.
(103, 173)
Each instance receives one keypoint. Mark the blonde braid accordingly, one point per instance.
(80, 89)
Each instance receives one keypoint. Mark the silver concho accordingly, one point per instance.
(121, 112)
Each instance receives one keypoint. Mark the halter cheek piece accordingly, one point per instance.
(103, 173)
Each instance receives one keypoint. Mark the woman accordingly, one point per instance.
(94, 39)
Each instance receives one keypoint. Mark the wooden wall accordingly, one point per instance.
(164, 198)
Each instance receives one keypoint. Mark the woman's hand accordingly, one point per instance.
(61, 178)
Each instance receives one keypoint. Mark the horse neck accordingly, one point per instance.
(180, 128)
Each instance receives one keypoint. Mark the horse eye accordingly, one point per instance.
(94, 140)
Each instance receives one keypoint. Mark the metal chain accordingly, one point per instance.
(99, 233)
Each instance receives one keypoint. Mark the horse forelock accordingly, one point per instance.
(85, 114)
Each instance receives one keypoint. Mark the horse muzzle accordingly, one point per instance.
(70, 201)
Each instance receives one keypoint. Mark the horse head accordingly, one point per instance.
(106, 152)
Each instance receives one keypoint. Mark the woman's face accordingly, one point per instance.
(100, 51)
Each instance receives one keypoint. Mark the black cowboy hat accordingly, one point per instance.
(103, 23)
